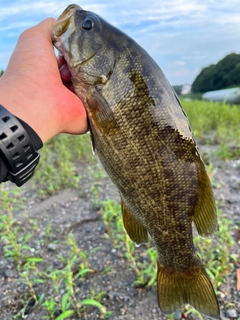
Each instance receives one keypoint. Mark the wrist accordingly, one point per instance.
(18, 149)
(23, 99)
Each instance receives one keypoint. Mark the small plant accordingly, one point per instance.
(17, 246)
(94, 301)
(218, 261)
(57, 167)
(145, 271)
(193, 311)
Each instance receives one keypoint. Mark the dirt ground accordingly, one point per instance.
(73, 210)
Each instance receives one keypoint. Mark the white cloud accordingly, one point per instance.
(179, 63)
(16, 25)
(183, 36)
(27, 6)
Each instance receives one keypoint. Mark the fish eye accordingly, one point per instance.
(87, 24)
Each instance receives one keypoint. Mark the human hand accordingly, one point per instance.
(32, 86)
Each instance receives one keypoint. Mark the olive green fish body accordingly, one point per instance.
(143, 139)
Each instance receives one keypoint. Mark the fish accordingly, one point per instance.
(143, 138)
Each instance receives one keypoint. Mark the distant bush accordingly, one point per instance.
(224, 74)
(1, 72)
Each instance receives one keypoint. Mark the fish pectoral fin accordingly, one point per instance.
(92, 140)
(191, 286)
(205, 216)
(135, 229)
(101, 113)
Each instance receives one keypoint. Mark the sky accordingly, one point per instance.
(182, 36)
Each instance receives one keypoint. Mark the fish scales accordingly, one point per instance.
(143, 139)
(139, 137)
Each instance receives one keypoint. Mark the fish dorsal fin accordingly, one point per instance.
(205, 217)
(135, 229)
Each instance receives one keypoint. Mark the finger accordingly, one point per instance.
(72, 114)
(36, 42)
(61, 60)
(65, 73)
(46, 27)
(69, 85)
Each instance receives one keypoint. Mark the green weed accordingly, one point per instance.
(144, 264)
(62, 301)
(218, 261)
(215, 123)
(57, 168)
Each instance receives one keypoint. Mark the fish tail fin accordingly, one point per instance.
(190, 286)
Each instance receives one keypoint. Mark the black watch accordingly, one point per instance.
(16, 149)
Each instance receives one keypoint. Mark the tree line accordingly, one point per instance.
(224, 74)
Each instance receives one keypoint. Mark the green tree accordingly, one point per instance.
(1, 72)
(224, 74)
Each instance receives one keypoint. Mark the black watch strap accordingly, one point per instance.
(16, 148)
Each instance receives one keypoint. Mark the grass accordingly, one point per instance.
(212, 123)
(216, 123)
(143, 264)
(29, 264)
(57, 168)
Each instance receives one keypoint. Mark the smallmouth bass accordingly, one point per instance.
(143, 139)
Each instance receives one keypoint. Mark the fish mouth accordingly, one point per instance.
(63, 21)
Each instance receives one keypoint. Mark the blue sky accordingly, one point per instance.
(183, 36)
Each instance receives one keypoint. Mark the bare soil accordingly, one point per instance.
(72, 210)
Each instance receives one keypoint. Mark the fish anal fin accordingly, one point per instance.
(191, 286)
(205, 216)
(135, 229)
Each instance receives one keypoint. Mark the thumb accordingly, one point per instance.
(45, 27)
(73, 113)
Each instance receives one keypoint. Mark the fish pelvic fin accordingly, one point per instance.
(190, 286)
(205, 216)
(135, 229)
